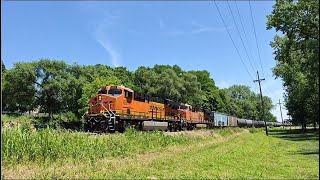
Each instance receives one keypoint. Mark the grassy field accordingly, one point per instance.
(228, 153)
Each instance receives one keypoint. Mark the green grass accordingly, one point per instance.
(15, 119)
(211, 154)
(22, 145)
(248, 156)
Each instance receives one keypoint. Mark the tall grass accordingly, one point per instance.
(228, 131)
(22, 145)
(15, 119)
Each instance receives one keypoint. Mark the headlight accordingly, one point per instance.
(99, 98)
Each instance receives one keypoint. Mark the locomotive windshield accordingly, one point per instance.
(115, 92)
(183, 107)
(103, 91)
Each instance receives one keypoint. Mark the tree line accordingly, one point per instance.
(297, 56)
(54, 87)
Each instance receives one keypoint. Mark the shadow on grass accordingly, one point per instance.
(295, 134)
(298, 135)
(306, 152)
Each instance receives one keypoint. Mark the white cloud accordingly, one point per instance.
(195, 28)
(200, 28)
(115, 56)
(100, 27)
(102, 38)
(161, 24)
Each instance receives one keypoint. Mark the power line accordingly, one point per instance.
(267, 90)
(234, 20)
(245, 35)
(232, 39)
(255, 35)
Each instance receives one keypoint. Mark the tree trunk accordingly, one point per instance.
(304, 127)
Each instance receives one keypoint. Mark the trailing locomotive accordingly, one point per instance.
(114, 108)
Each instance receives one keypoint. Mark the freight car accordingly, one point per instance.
(114, 108)
(232, 121)
(219, 119)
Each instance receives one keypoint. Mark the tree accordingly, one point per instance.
(18, 93)
(125, 76)
(246, 104)
(211, 98)
(297, 56)
(3, 67)
(169, 85)
(146, 80)
(51, 85)
(3, 70)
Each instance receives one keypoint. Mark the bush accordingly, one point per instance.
(70, 121)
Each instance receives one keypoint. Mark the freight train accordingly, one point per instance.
(114, 108)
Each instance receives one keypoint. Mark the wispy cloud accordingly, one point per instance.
(200, 28)
(95, 7)
(161, 24)
(191, 29)
(101, 28)
(102, 38)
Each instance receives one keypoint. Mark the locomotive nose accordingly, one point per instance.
(104, 99)
(101, 103)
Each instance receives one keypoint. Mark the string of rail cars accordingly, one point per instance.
(114, 108)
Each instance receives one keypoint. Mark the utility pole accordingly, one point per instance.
(262, 104)
(281, 112)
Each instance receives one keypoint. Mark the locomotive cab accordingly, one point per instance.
(108, 98)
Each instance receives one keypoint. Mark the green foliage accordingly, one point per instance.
(51, 84)
(18, 93)
(3, 67)
(297, 56)
(55, 87)
(247, 104)
(146, 80)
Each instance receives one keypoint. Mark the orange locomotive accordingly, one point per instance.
(114, 108)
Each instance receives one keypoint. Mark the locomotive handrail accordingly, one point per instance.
(105, 108)
(111, 111)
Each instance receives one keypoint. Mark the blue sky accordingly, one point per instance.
(144, 33)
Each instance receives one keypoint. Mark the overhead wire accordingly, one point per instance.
(255, 35)
(234, 20)
(245, 35)
(267, 91)
(232, 39)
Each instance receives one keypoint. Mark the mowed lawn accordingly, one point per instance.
(284, 154)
